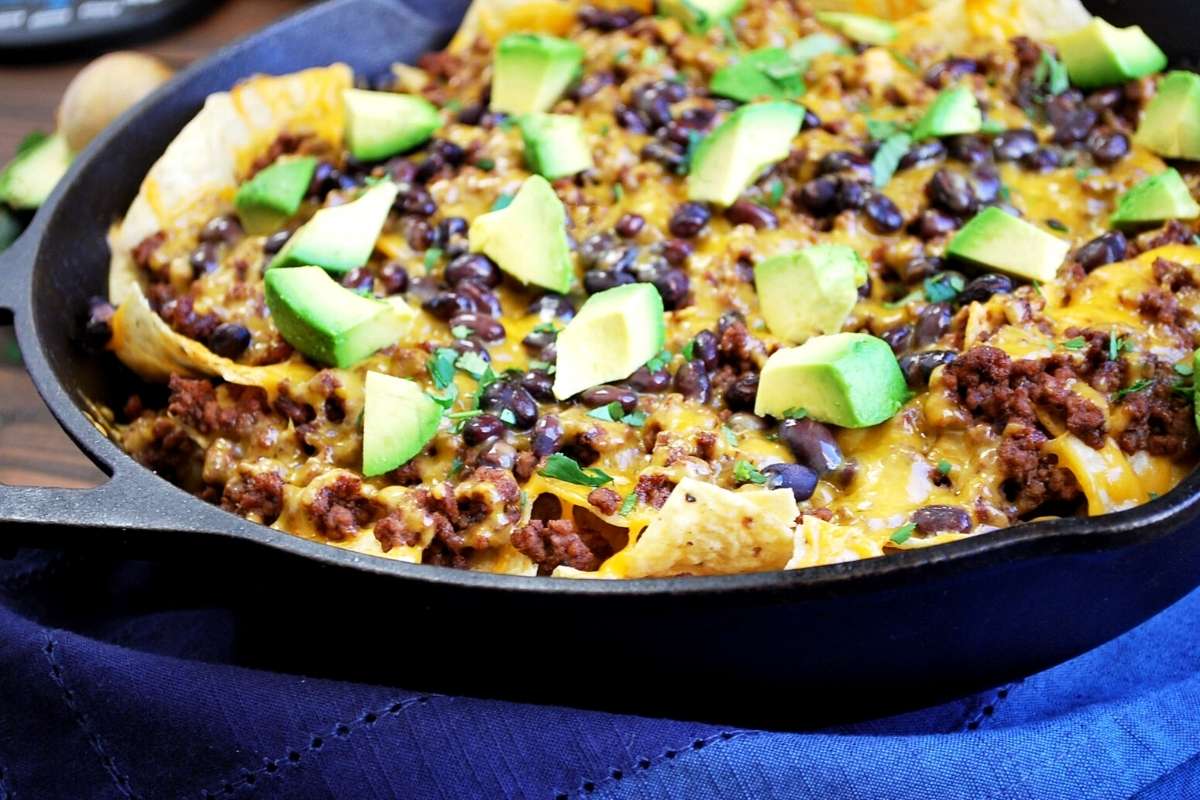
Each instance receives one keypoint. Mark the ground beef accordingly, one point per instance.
(605, 500)
(738, 349)
(558, 542)
(299, 413)
(1173, 276)
(706, 446)
(1161, 419)
(143, 253)
(1159, 305)
(392, 532)
(488, 494)
(1033, 478)
(259, 494)
(653, 489)
(284, 143)
(179, 312)
(526, 464)
(339, 509)
(1174, 232)
(195, 402)
(172, 454)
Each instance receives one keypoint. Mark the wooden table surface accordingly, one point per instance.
(32, 448)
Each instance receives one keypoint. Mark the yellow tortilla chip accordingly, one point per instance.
(494, 19)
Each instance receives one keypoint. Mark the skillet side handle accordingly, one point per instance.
(14, 275)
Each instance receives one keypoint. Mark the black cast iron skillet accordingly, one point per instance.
(775, 648)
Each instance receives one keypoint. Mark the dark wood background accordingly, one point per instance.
(32, 448)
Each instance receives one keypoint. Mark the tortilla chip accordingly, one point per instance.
(951, 24)
(494, 19)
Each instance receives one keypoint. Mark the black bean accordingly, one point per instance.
(551, 306)
(1104, 249)
(917, 367)
(643, 380)
(919, 268)
(497, 453)
(451, 227)
(728, 320)
(934, 223)
(968, 148)
(394, 278)
(691, 380)
(324, 180)
(673, 285)
(978, 290)
(1071, 122)
(630, 225)
(672, 157)
(593, 249)
(704, 348)
(696, 119)
(547, 436)
(1107, 146)
(591, 85)
(97, 330)
(1042, 159)
(846, 162)
(603, 395)
(942, 519)
(651, 270)
(1107, 97)
(226, 229)
(654, 106)
(677, 252)
(229, 340)
(445, 305)
(800, 479)
(986, 183)
(818, 197)
(453, 154)
(851, 195)
(473, 267)
(428, 169)
(600, 280)
(482, 300)
(484, 326)
(1015, 144)
(359, 280)
(884, 215)
(275, 242)
(743, 212)
(417, 202)
(951, 192)
(540, 384)
(471, 115)
(740, 395)
(812, 444)
(472, 345)
(811, 121)
(922, 152)
(537, 341)
(629, 119)
(898, 337)
(950, 70)
(504, 396)
(688, 220)
(478, 430)
(932, 322)
(204, 259)
(421, 235)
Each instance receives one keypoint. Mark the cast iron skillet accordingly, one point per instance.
(834, 641)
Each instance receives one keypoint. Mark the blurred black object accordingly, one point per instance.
(40, 29)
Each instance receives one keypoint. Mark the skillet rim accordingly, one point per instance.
(129, 480)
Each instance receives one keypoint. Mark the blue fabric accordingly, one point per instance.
(120, 681)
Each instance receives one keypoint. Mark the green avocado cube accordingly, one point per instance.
(329, 323)
(860, 27)
(528, 238)
(1170, 125)
(954, 111)
(1100, 55)
(847, 379)
(531, 71)
(809, 292)
(273, 195)
(340, 238)
(399, 420)
(32, 175)
(1156, 199)
(997, 240)
(771, 73)
(615, 332)
(731, 157)
(698, 16)
(555, 145)
(381, 124)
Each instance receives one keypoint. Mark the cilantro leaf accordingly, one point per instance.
(887, 158)
(944, 467)
(611, 412)
(730, 437)
(745, 472)
(503, 201)
(432, 256)
(1078, 343)
(441, 367)
(636, 419)
(903, 533)
(508, 417)
(1141, 384)
(566, 469)
(473, 364)
(795, 413)
(628, 505)
(659, 362)
(943, 287)
(1051, 75)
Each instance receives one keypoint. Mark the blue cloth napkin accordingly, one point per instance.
(115, 682)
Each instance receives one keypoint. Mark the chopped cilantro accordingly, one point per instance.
(457, 415)
(1005, 193)
(903, 301)
(907, 62)
(731, 39)
(456, 466)
(992, 126)
(460, 331)
(432, 256)
(454, 104)
(887, 158)
(504, 200)
(1196, 239)
(651, 56)
(745, 472)
(1141, 384)
(566, 469)
(618, 192)
(609, 413)
(545, 327)
(508, 123)
(1056, 225)
(694, 139)
(903, 533)
(485, 164)
(473, 364)
(447, 400)
(628, 505)
(508, 417)
(1083, 173)
(1078, 343)
(441, 367)
(1183, 369)
(689, 350)
(943, 287)
(880, 129)
(775, 193)
(944, 467)
(544, 366)
(730, 437)
(795, 413)
(1115, 345)
(636, 419)
(621, 55)
(1051, 75)
(1037, 287)
(659, 362)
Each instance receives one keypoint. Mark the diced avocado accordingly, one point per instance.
(1099, 54)
(998, 240)
(809, 47)
(329, 323)
(1157, 199)
(528, 237)
(555, 145)
(340, 238)
(700, 15)
(399, 419)
(30, 177)
(615, 332)
(1171, 123)
(859, 27)
(1196, 385)
(382, 124)
(953, 112)
(10, 229)
(846, 379)
(268, 199)
(531, 71)
(730, 158)
(809, 292)
(770, 73)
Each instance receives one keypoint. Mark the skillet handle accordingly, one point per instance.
(14, 272)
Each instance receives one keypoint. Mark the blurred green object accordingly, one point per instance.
(10, 353)
(10, 228)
